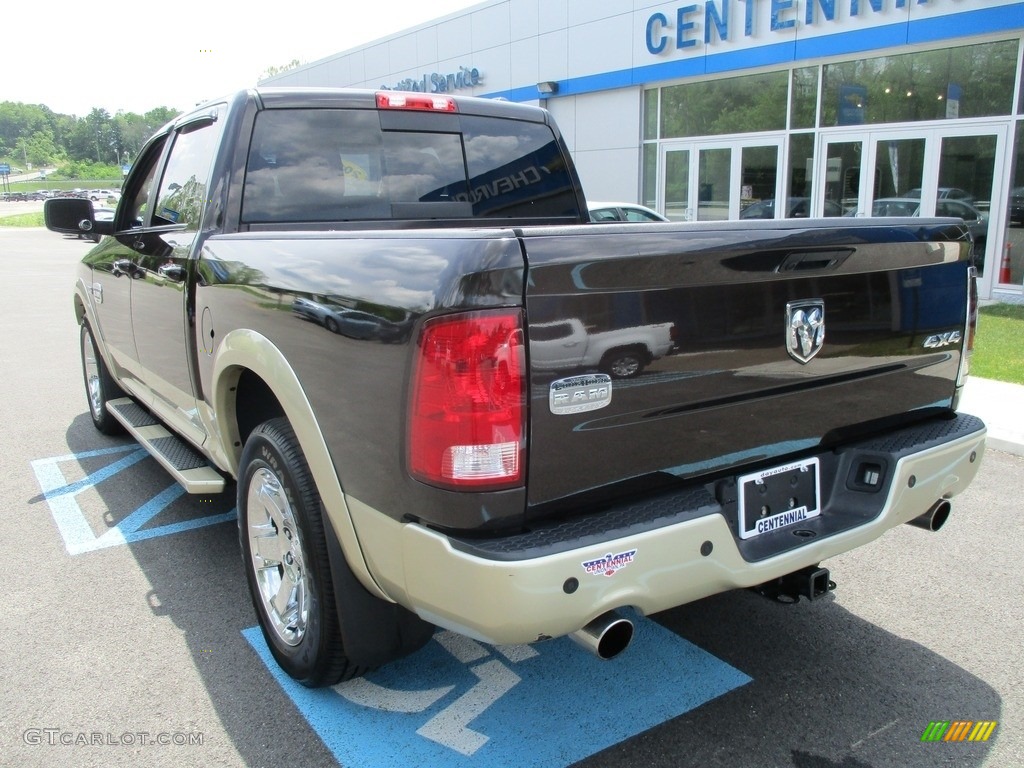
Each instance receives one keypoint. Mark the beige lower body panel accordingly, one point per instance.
(524, 601)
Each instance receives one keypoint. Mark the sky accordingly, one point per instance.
(123, 55)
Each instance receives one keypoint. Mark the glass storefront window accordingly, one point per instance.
(650, 175)
(727, 105)
(677, 185)
(801, 167)
(804, 97)
(759, 171)
(1011, 261)
(899, 170)
(651, 113)
(842, 178)
(930, 85)
(713, 172)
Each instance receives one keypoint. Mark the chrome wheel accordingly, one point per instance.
(624, 366)
(99, 384)
(91, 369)
(277, 561)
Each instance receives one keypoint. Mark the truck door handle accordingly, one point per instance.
(139, 245)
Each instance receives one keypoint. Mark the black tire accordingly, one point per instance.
(624, 363)
(331, 325)
(279, 503)
(99, 384)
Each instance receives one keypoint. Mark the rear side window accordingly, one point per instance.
(339, 165)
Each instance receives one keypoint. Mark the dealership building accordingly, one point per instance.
(721, 109)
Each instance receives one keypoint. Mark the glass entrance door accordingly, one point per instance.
(703, 181)
(967, 185)
(872, 175)
(937, 172)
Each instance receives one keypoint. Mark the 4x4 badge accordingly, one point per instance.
(805, 329)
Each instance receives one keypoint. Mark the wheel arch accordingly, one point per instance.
(85, 312)
(253, 382)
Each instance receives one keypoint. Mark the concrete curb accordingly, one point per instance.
(1001, 407)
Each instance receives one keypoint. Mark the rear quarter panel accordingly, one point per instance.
(356, 383)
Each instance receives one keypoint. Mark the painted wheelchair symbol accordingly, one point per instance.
(449, 727)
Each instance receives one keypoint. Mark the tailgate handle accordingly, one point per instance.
(804, 260)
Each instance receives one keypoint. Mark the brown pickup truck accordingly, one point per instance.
(343, 302)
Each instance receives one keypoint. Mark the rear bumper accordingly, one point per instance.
(532, 587)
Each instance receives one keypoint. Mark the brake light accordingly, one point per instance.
(468, 402)
(415, 101)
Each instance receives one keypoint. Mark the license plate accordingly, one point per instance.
(778, 497)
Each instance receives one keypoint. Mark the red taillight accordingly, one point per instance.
(467, 413)
(415, 101)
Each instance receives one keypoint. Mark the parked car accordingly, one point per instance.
(343, 320)
(975, 220)
(605, 212)
(947, 193)
(796, 208)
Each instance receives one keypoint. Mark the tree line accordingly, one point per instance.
(33, 135)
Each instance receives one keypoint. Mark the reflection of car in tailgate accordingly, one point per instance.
(622, 352)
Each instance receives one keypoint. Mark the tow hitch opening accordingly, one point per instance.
(811, 582)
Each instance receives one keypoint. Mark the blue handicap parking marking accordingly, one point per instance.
(62, 497)
(461, 703)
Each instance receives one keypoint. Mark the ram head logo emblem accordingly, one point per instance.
(805, 329)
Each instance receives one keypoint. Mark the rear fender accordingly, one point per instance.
(244, 350)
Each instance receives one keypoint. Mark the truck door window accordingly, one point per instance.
(140, 185)
(183, 189)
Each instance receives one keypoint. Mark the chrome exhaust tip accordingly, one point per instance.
(606, 636)
(934, 518)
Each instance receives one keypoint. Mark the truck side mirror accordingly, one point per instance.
(74, 216)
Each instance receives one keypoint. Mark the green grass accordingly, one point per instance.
(22, 220)
(999, 346)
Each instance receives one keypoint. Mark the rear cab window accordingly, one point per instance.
(329, 165)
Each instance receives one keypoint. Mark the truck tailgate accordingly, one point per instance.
(788, 336)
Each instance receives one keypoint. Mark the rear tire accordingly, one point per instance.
(99, 384)
(284, 548)
(624, 363)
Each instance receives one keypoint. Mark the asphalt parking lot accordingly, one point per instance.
(128, 628)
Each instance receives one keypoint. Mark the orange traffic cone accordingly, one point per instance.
(1004, 268)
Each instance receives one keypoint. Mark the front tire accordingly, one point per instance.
(99, 384)
(284, 548)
